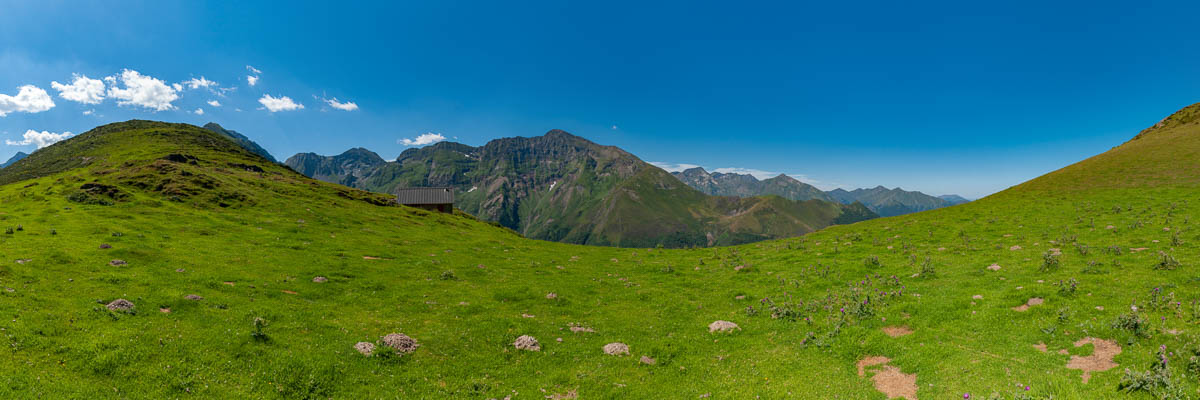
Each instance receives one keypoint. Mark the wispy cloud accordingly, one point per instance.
(281, 103)
(672, 167)
(347, 106)
(426, 139)
(29, 99)
(41, 139)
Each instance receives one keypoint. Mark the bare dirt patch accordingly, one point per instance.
(365, 348)
(401, 343)
(577, 328)
(994, 267)
(526, 342)
(616, 349)
(120, 305)
(1100, 360)
(569, 395)
(897, 330)
(1040, 347)
(1036, 301)
(889, 379)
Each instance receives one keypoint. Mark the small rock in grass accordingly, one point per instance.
(1014, 248)
(526, 342)
(193, 297)
(616, 349)
(365, 348)
(994, 267)
(117, 263)
(180, 270)
(105, 246)
(320, 279)
(23, 260)
(647, 360)
(401, 343)
(740, 297)
(551, 295)
(977, 297)
(722, 326)
(120, 305)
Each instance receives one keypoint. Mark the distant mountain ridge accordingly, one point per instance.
(562, 187)
(241, 140)
(886, 202)
(14, 158)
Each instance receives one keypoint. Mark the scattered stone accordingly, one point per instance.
(739, 297)
(120, 305)
(401, 343)
(193, 297)
(1109, 227)
(180, 270)
(1100, 360)
(528, 316)
(288, 291)
(365, 348)
(722, 326)
(551, 295)
(558, 340)
(117, 263)
(580, 328)
(897, 330)
(994, 267)
(1014, 248)
(230, 283)
(372, 258)
(526, 342)
(1101, 308)
(24, 260)
(647, 360)
(739, 268)
(569, 395)
(105, 246)
(1137, 249)
(320, 279)
(977, 297)
(164, 310)
(616, 349)
(1054, 251)
(1064, 352)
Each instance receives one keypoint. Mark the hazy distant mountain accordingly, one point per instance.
(241, 140)
(14, 158)
(565, 188)
(954, 199)
(890, 202)
(745, 185)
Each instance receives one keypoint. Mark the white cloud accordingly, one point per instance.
(178, 87)
(29, 98)
(757, 173)
(614, 127)
(426, 139)
(199, 111)
(252, 80)
(144, 91)
(41, 139)
(89, 112)
(281, 103)
(82, 90)
(670, 167)
(214, 103)
(347, 106)
(199, 83)
(254, 70)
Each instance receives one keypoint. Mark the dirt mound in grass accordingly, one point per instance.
(120, 305)
(722, 326)
(897, 330)
(401, 343)
(365, 348)
(616, 349)
(526, 342)
(888, 379)
(1100, 360)
(1036, 301)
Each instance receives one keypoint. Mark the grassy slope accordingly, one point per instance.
(62, 343)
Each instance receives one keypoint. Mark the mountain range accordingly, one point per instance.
(562, 187)
(883, 201)
(14, 158)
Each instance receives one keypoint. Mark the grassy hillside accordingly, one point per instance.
(811, 310)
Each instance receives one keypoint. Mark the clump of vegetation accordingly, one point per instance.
(1166, 261)
(1050, 262)
(872, 261)
(258, 333)
(1133, 322)
(1067, 287)
(927, 269)
(448, 275)
(1155, 381)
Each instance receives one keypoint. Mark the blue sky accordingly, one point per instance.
(942, 97)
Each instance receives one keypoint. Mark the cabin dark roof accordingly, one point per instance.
(425, 195)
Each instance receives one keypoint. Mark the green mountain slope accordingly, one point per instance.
(561, 187)
(745, 185)
(241, 140)
(1107, 246)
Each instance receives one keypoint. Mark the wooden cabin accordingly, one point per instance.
(428, 198)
